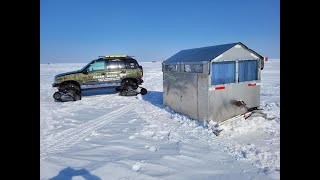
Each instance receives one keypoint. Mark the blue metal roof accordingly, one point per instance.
(200, 54)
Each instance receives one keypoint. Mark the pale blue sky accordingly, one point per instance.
(82, 30)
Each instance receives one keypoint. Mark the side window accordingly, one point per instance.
(248, 70)
(171, 67)
(116, 65)
(193, 68)
(113, 65)
(96, 66)
(122, 65)
(132, 64)
(223, 72)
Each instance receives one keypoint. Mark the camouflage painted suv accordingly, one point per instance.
(120, 72)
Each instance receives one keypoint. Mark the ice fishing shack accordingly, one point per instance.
(213, 83)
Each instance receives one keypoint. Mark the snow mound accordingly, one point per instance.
(138, 165)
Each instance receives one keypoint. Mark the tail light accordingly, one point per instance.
(141, 71)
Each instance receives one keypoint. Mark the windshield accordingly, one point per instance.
(84, 67)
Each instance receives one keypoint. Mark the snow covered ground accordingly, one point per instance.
(107, 136)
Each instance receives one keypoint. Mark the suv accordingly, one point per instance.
(120, 72)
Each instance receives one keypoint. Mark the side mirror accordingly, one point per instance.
(85, 71)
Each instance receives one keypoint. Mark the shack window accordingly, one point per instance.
(193, 68)
(248, 70)
(223, 72)
(171, 67)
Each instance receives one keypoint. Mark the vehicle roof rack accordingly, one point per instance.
(115, 56)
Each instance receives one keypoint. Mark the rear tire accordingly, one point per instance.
(129, 82)
(134, 86)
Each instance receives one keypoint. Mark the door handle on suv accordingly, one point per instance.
(123, 71)
(103, 73)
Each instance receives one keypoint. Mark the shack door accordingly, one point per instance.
(189, 94)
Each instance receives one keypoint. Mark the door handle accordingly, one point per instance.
(103, 73)
(123, 71)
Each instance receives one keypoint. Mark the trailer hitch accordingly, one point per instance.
(239, 103)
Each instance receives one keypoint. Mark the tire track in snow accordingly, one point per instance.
(45, 118)
(64, 140)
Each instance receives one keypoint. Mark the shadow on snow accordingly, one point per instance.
(155, 98)
(93, 92)
(68, 173)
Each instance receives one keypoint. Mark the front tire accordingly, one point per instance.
(69, 86)
(76, 97)
(68, 92)
(57, 96)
